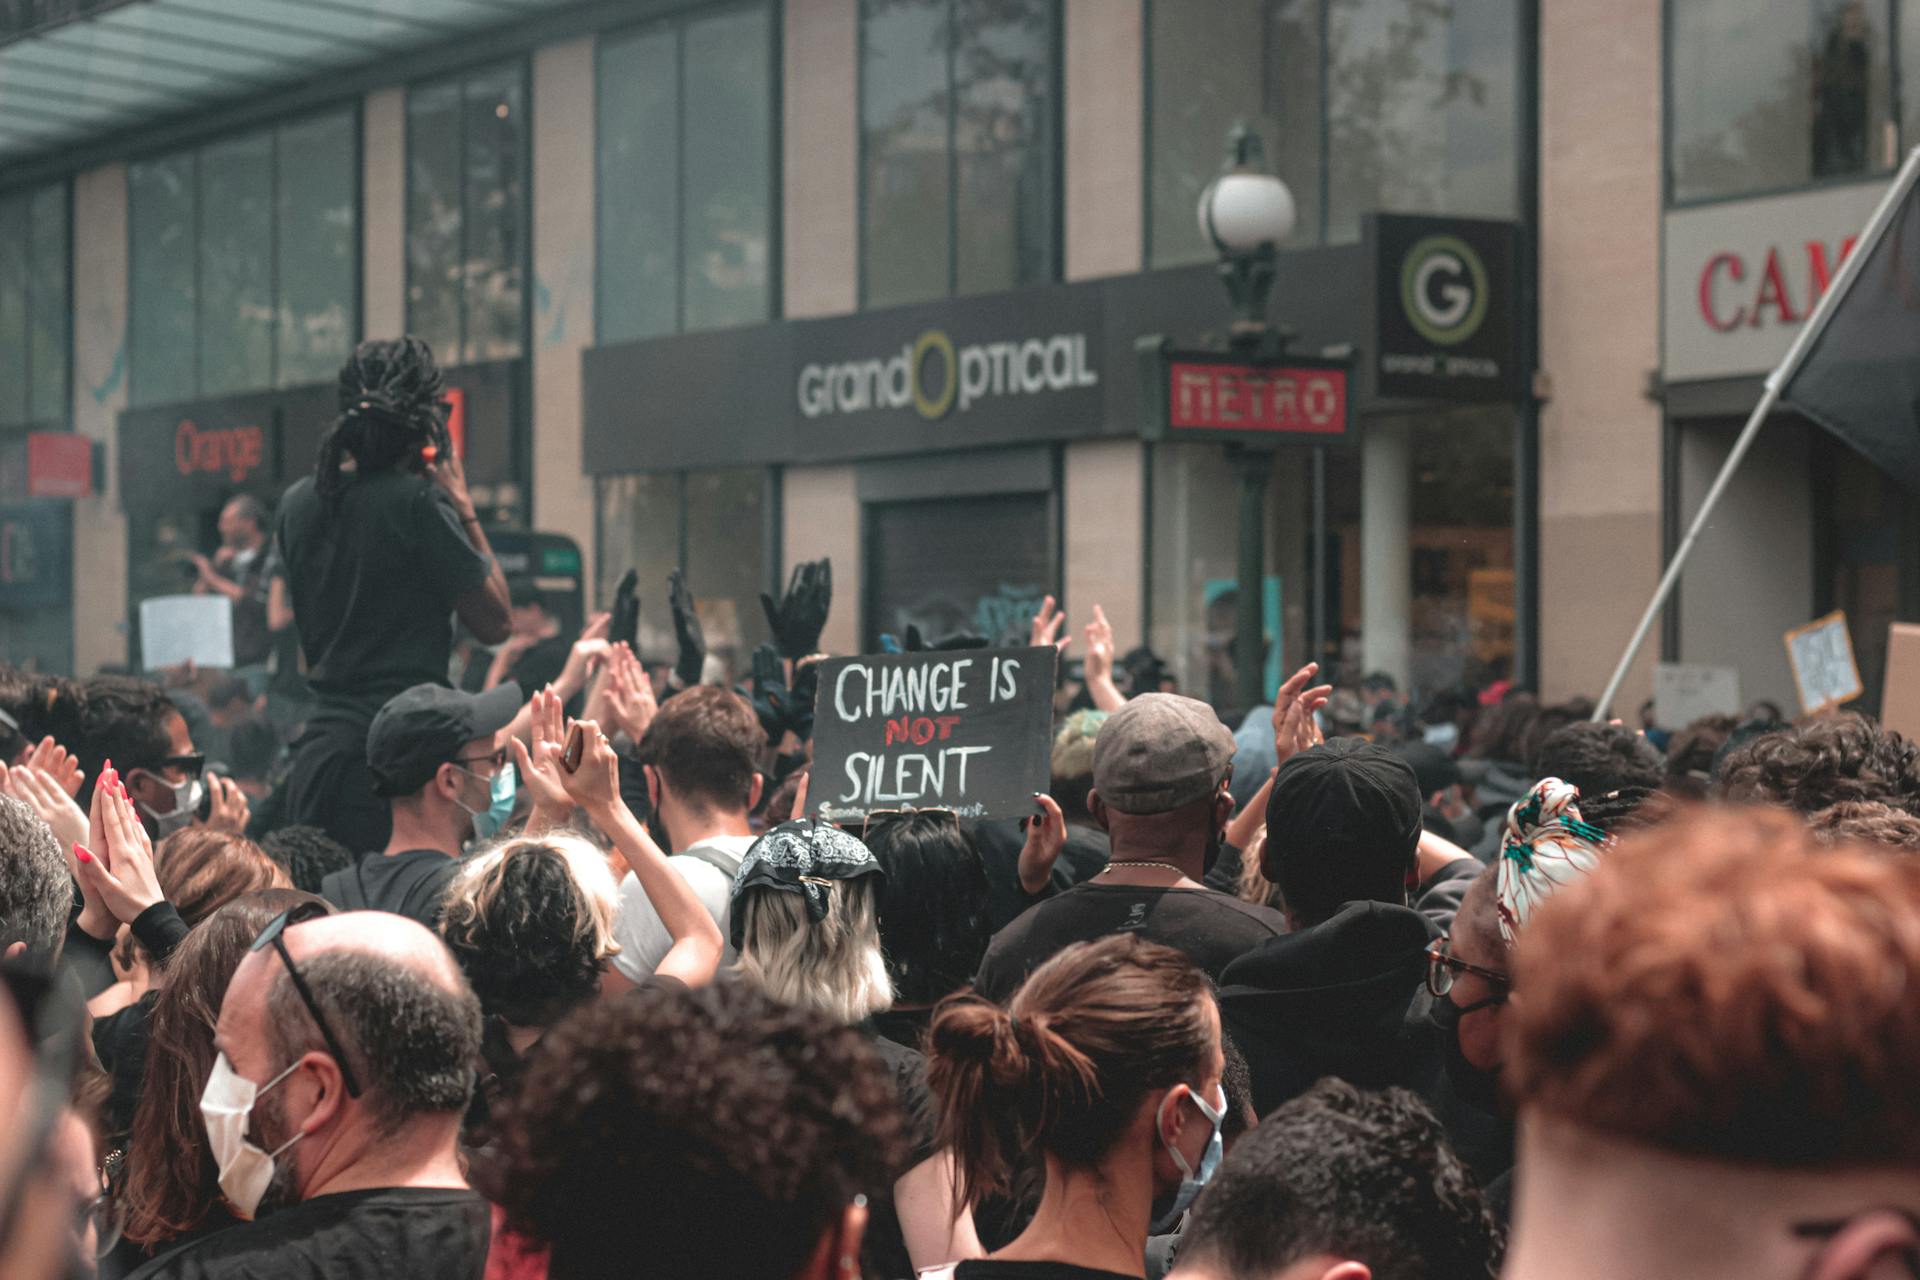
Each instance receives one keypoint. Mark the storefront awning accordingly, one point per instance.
(72, 71)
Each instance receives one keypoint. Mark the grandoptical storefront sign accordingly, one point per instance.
(1056, 362)
(1741, 277)
(1446, 290)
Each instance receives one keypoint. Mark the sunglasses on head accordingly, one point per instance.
(271, 937)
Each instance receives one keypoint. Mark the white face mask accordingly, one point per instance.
(226, 1105)
(186, 802)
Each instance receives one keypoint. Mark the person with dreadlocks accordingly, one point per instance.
(382, 548)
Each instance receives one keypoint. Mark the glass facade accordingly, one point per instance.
(685, 173)
(1769, 95)
(1460, 475)
(467, 235)
(35, 347)
(711, 525)
(959, 147)
(1406, 106)
(245, 271)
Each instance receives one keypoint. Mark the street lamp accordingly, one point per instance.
(1246, 212)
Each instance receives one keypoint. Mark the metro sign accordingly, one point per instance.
(1252, 398)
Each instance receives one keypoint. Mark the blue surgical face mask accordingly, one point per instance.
(1191, 1179)
(501, 790)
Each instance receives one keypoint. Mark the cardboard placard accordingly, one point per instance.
(1900, 699)
(177, 629)
(1684, 692)
(968, 729)
(1821, 654)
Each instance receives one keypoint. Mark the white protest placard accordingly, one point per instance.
(1821, 654)
(177, 629)
(1685, 691)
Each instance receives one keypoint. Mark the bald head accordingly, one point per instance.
(393, 997)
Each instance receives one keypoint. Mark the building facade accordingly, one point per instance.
(725, 286)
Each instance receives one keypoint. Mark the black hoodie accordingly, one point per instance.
(1346, 997)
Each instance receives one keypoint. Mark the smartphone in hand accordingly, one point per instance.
(575, 750)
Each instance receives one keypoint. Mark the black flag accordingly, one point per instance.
(1860, 376)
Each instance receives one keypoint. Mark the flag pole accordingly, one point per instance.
(1870, 236)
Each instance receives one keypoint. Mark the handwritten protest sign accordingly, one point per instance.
(177, 629)
(1823, 668)
(968, 730)
(1684, 692)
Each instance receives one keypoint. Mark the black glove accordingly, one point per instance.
(797, 620)
(769, 690)
(687, 630)
(806, 688)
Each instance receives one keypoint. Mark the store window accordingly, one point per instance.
(34, 334)
(1268, 78)
(1461, 621)
(979, 565)
(467, 214)
(686, 175)
(959, 147)
(245, 270)
(1396, 105)
(1768, 95)
(711, 525)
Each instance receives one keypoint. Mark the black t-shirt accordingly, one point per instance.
(1213, 928)
(410, 883)
(391, 1233)
(994, 1269)
(374, 582)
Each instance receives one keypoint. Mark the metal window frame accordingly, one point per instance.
(1055, 238)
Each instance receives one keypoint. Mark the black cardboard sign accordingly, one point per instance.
(967, 729)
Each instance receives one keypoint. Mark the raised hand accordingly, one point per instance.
(539, 767)
(770, 693)
(1046, 837)
(1294, 726)
(37, 790)
(798, 619)
(1048, 624)
(54, 760)
(630, 701)
(1101, 688)
(687, 631)
(119, 872)
(229, 811)
(589, 652)
(595, 785)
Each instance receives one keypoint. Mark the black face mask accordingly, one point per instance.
(1475, 1086)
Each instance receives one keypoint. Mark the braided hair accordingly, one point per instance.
(390, 392)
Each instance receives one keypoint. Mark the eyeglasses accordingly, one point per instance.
(498, 759)
(270, 937)
(1442, 966)
(866, 823)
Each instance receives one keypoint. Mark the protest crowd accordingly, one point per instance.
(531, 957)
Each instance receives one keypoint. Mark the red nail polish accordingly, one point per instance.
(81, 853)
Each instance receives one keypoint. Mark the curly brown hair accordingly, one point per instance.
(712, 1132)
(1726, 986)
(1866, 822)
(1821, 763)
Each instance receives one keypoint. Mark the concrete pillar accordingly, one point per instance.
(1600, 465)
(820, 516)
(563, 203)
(1386, 548)
(99, 394)
(383, 214)
(821, 142)
(1105, 98)
(1105, 538)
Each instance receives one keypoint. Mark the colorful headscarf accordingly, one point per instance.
(1547, 846)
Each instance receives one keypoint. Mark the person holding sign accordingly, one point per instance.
(1161, 767)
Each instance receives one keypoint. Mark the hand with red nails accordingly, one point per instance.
(117, 867)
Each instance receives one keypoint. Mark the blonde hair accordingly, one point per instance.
(833, 965)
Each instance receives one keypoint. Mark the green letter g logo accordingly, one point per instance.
(1443, 289)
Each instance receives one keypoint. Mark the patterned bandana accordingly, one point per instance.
(804, 857)
(1547, 847)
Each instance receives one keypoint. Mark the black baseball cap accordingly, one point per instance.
(426, 726)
